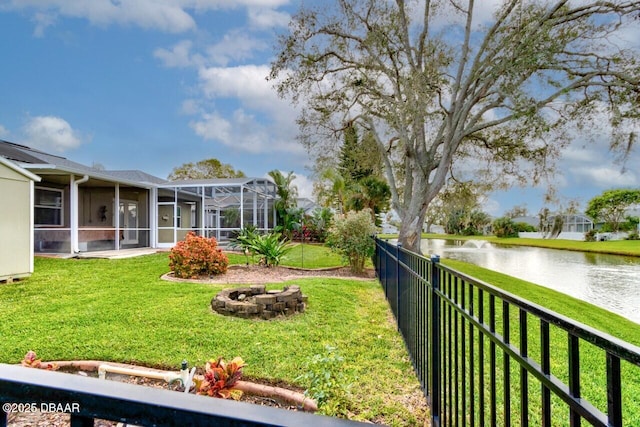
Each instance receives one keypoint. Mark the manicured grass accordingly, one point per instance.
(592, 360)
(581, 311)
(120, 310)
(305, 255)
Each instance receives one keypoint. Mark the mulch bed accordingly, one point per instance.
(255, 274)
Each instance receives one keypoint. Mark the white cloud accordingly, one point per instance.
(42, 21)
(301, 182)
(246, 82)
(190, 107)
(244, 132)
(267, 18)
(263, 123)
(305, 186)
(179, 55)
(168, 16)
(171, 16)
(214, 127)
(607, 177)
(234, 46)
(51, 133)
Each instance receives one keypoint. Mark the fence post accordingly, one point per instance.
(397, 296)
(435, 341)
(386, 268)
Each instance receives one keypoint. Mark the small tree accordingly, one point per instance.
(350, 236)
(610, 207)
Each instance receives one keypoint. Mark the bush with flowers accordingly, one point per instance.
(197, 256)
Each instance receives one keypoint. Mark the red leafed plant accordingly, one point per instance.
(31, 361)
(220, 378)
(197, 256)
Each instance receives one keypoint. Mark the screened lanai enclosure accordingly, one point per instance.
(213, 208)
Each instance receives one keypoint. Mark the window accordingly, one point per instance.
(178, 217)
(48, 206)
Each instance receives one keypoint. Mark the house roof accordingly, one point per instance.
(35, 160)
(136, 175)
(18, 153)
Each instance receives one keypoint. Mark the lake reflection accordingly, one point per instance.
(608, 281)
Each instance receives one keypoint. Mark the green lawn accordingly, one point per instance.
(305, 255)
(592, 360)
(120, 310)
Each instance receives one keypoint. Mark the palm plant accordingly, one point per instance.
(272, 247)
(243, 240)
(287, 198)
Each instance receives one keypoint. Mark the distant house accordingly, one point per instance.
(16, 220)
(571, 226)
(79, 208)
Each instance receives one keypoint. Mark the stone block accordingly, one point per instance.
(234, 306)
(279, 306)
(265, 299)
(267, 314)
(251, 308)
(291, 304)
(257, 289)
(284, 297)
(217, 304)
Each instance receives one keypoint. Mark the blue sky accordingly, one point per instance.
(150, 85)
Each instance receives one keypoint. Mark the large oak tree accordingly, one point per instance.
(437, 88)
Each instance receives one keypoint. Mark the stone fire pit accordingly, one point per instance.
(256, 301)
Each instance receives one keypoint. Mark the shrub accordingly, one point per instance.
(31, 361)
(271, 247)
(524, 227)
(633, 236)
(327, 384)
(220, 379)
(350, 236)
(243, 239)
(590, 236)
(197, 256)
(504, 227)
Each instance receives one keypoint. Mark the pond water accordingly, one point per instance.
(608, 281)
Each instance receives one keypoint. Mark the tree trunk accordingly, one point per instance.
(410, 231)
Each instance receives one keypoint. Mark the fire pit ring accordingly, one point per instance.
(256, 302)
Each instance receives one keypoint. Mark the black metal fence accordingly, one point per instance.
(85, 399)
(487, 357)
